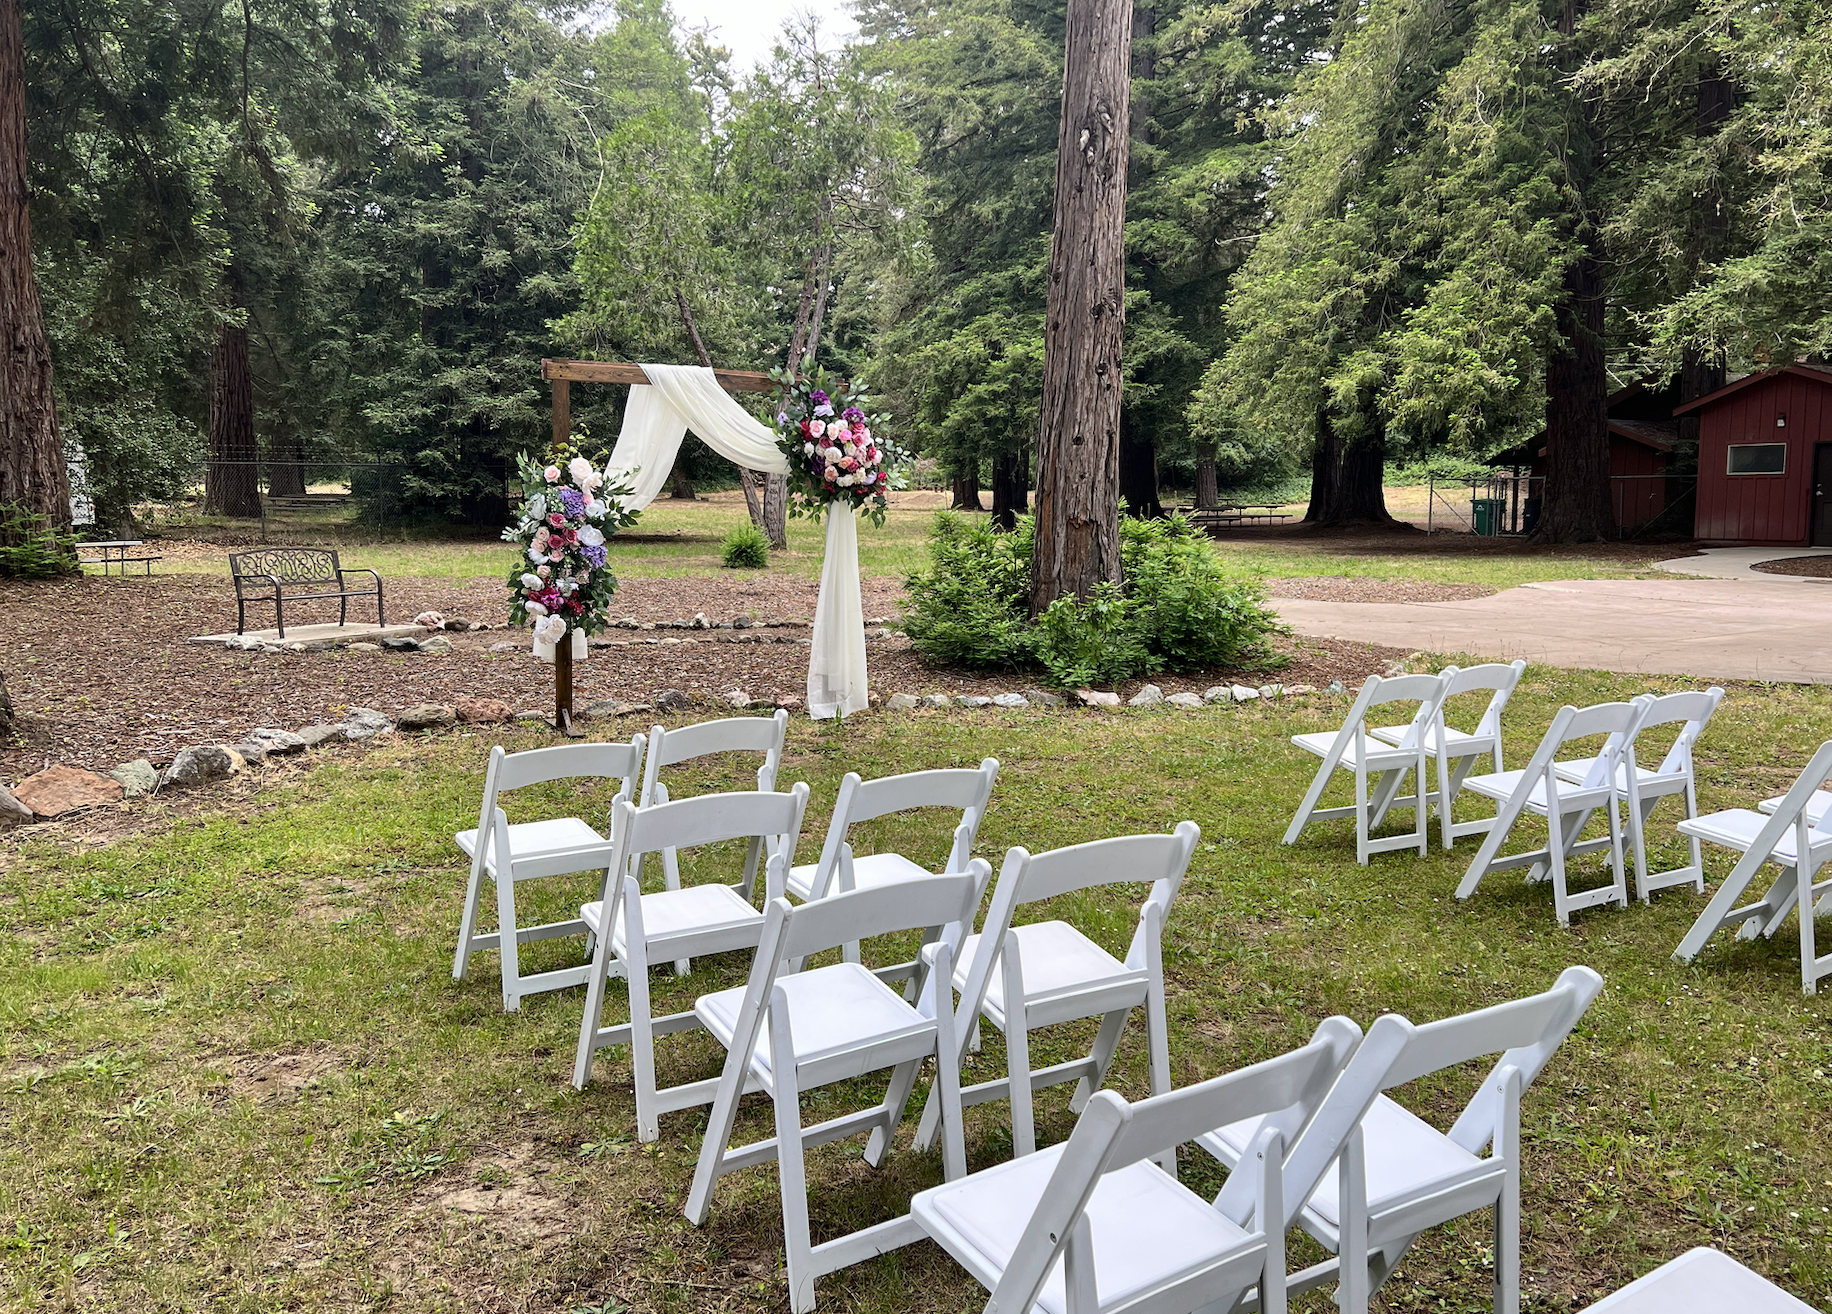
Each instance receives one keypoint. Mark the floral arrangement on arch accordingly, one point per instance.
(562, 580)
(826, 435)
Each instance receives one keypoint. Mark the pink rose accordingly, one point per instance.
(556, 556)
(584, 577)
(849, 465)
(544, 572)
(830, 475)
(553, 474)
(540, 539)
(557, 520)
(817, 427)
(571, 536)
(865, 434)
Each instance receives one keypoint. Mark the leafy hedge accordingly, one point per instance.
(1179, 608)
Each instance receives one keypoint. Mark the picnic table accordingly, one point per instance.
(1232, 514)
(114, 553)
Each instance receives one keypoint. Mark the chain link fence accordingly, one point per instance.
(344, 500)
(1644, 505)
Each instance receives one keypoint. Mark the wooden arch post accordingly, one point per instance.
(562, 374)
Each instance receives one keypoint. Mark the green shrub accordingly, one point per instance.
(1178, 608)
(745, 549)
(30, 548)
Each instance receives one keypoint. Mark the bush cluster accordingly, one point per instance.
(1178, 609)
(30, 548)
(745, 548)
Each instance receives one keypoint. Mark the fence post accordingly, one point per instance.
(1431, 499)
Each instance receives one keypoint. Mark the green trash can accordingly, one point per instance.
(1488, 513)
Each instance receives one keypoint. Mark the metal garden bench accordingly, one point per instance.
(278, 574)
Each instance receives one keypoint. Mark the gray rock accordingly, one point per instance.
(13, 812)
(314, 735)
(1218, 693)
(742, 623)
(362, 723)
(363, 647)
(1297, 689)
(458, 624)
(1242, 694)
(699, 622)
(427, 716)
(1149, 696)
(250, 753)
(1044, 698)
(136, 778)
(1397, 668)
(506, 647)
(437, 646)
(1010, 700)
(243, 643)
(401, 643)
(972, 700)
(277, 742)
(880, 633)
(296, 646)
(936, 700)
(1271, 690)
(901, 702)
(1097, 698)
(736, 697)
(671, 700)
(270, 647)
(201, 766)
(1187, 701)
(1336, 686)
(875, 620)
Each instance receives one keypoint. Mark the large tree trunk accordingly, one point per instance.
(286, 463)
(32, 471)
(1208, 493)
(965, 492)
(1347, 480)
(230, 487)
(1078, 445)
(1138, 472)
(1010, 487)
(1577, 507)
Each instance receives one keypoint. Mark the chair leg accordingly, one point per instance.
(1507, 1247)
(1312, 797)
(506, 942)
(1809, 977)
(797, 1245)
(1017, 1071)
(594, 1009)
(896, 1099)
(1361, 816)
(718, 1137)
(1555, 850)
(1638, 813)
(1106, 1042)
(467, 920)
(671, 871)
(1695, 852)
(642, 1055)
(1615, 849)
(1354, 1286)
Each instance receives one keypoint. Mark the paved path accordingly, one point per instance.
(1761, 628)
(1735, 563)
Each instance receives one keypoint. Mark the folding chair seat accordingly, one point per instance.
(1701, 1281)
(1642, 788)
(733, 734)
(862, 801)
(1567, 807)
(786, 1032)
(1456, 752)
(674, 923)
(534, 848)
(1100, 1223)
(1354, 749)
(1398, 1175)
(1818, 804)
(1021, 978)
(1780, 837)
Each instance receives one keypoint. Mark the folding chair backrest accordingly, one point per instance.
(866, 800)
(1427, 690)
(1113, 1134)
(1792, 810)
(932, 901)
(537, 766)
(1616, 720)
(1501, 677)
(711, 818)
(1693, 707)
(735, 734)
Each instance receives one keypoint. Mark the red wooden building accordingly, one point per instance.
(1765, 459)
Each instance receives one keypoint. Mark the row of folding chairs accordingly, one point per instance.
(1567, 790)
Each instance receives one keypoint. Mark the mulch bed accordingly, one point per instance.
(1356, 588)
(101, 673)
(1807, 567)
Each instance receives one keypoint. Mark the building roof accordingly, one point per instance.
(1662, 437)
(1817, 373)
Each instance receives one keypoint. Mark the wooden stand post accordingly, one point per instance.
(563, 688)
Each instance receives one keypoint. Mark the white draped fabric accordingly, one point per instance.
(656, 419)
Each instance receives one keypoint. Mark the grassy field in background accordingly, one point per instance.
(236, 1071)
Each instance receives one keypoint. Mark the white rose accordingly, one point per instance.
(534, 609)
(550, 629)
(844, 481)
(536, 557)
(594, 510)
(531, 581)
(580, 469)
(537, 506)
(592, 535)
(807, 449)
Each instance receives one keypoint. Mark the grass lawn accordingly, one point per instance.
(238, 1074)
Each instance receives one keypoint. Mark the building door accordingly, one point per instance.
(1822, 495)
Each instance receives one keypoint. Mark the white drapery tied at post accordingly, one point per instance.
(656, 419)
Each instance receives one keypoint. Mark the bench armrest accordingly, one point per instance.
(356, 570)
(271, 580)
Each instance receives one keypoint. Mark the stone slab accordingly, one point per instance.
(320, 637)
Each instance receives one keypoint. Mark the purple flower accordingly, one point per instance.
(594, 554)
(819, 398)
(574, 502)
(853, 415)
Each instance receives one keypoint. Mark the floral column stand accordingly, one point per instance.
(562, 585)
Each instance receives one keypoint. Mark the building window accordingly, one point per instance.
(1758, 459)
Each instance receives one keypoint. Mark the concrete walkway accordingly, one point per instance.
(1758, 628)
(1735, 563)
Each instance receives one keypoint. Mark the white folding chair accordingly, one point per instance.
(536, 847)
(789, 1032)
(1643, 788)
(647, 929)
(1567, 807)
(1780, 837)
(735, 734)
(1456, 752)
(1021, 978)
(1353, 749)
(1099, 1224)
(866, 800)
(1701, 1281)
(1399, 1175)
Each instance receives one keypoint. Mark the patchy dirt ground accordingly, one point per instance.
(1810, 567)
(101, 672)
(1358, 588)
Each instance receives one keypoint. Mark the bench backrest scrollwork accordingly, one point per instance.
(288, 565)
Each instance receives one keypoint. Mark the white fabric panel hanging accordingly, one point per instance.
(658, 415)
(836, 661)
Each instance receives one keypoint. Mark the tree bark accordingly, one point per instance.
(6, 707)
(1208, 493)
(285, 463)
(230, 487)
(1077, 543)
(967, 492)
(1010, 488)
(32, 471)
(1347, 478)
(1577, 507)
(1701, 373)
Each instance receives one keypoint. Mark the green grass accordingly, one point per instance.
(1502, 566)
(311, 922)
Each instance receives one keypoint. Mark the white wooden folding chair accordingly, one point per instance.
(1567, 807)
(680, 922)
(1781, 837)
(1099, 1224)
(528, 841)
(1353, 749)
(867, 800)
(1701, 1281)
(1399, 1175)
(734, 734)
(788, 1032)
(1642, 788)
(1021, 978)
(1456, 752)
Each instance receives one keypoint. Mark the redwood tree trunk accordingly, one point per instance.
(230, 488)
(285, 464)
(965, 492)
(1347, 481)
(679, 485)
(1078, 443)
(32, 471)
(1208, 494)
(1010, 487)
(1577, 506)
